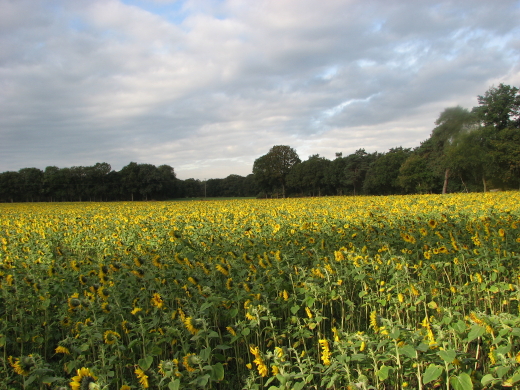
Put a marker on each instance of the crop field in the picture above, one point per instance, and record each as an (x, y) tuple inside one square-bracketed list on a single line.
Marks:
[(415, 292)]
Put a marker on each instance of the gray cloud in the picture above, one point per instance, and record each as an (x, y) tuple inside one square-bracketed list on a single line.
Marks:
[(208, 87)]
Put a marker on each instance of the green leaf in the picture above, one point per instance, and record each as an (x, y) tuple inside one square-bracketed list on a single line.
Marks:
[(461, 382), (205, 354), (487, 379), (383, 372), (246, 331), (222, 347), (476, 331), (30, 380), (448, 355), (408, 350), (295, 309), (217, 372), (282, 379), (175, 384), (202, 381), (145, 363), (298, 386), (49, 379), (433, 372), (205, 306)]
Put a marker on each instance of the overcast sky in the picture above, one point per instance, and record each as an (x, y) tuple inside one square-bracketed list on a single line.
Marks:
[(208, 86)]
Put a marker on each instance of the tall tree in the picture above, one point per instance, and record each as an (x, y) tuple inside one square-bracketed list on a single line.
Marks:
[(32, 183), (450, 124), (381, 177), (10, 186), (272, 168), (499, 107), (356, 167), (335, 174), (415, 176), (129, 175)]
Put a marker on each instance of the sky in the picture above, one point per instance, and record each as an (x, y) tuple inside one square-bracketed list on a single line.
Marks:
[(208, 86)]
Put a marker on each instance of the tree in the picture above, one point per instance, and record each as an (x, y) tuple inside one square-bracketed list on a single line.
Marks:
[(10, 186), (335, 174), (381, 177), (97, 181), (272, 168), (130, 179), (31, 183), (499, 107), (356, 167), (415, 176), (470, 157), (309, 176), (168, 180), (150, 182), (450, 124)]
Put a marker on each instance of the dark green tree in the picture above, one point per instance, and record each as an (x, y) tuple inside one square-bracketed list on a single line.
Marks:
[(31, 183), (452, 122), (381, 177), (271, 169), (499, 107), (415, 176), (129, 176), (10, 186), (356, 167), (334, 176)]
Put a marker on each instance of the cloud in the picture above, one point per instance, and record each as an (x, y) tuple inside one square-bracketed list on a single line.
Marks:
[(209, 86)]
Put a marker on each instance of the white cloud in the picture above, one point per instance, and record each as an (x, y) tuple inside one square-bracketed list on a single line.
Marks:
[(208, 86)]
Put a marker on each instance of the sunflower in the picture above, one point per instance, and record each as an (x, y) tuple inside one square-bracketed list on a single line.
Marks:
[(325, 351), (103, 294), (189, 360), (142, 377), (192, 324), (65, 322), (157, 300), (231, 330), (111, 337), (127, 326), (432, 223), (374, 321), (106, 307), (83, 380), (74, 302), (229, 283), (22, 366), (63, 350)]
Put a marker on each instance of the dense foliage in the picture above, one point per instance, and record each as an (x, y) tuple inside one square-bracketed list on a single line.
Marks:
[(333, 292)]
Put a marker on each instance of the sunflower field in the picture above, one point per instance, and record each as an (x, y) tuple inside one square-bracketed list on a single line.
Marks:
[(393, 292)]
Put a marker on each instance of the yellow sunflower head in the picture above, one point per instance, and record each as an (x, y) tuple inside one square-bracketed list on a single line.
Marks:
[(83, 379), (111, 337)]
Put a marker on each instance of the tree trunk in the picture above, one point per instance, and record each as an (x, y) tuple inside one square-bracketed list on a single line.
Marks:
[(484, 182), (446, 177)]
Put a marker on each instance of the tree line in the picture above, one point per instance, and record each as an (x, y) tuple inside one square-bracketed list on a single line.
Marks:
[(468, 150), (100, 183)]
